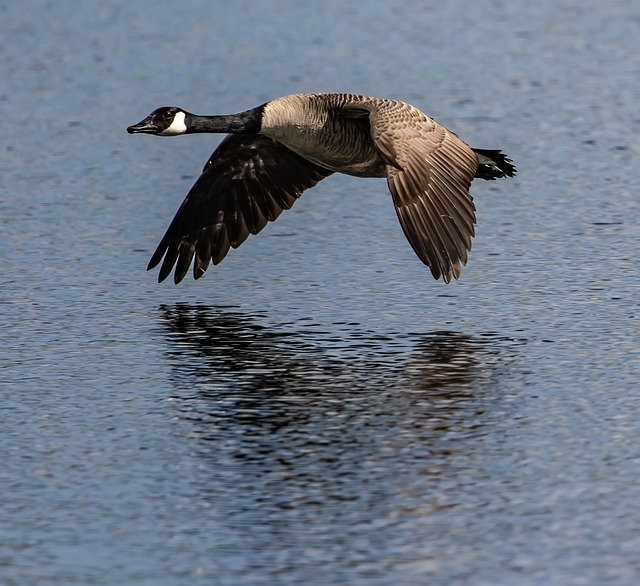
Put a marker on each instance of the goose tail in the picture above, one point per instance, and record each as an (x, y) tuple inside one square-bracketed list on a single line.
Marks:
[(493, 165)]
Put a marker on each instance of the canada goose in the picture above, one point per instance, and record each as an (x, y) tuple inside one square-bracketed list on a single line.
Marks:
[(277, 150)]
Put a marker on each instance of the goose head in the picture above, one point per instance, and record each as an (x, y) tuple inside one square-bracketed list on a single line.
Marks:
[(165, 121)]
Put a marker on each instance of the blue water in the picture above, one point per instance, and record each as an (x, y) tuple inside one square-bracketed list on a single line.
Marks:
[(317, 409)]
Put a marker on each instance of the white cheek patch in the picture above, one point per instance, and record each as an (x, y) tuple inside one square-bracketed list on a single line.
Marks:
[(177, 125)]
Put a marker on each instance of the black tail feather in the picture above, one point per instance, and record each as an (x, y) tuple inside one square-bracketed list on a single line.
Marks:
[(493, 165)]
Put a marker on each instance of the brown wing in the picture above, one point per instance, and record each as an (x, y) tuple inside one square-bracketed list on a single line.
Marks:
[(429, 171), (247, 182)]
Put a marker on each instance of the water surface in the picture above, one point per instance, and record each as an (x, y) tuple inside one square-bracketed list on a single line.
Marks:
[(317, 409)]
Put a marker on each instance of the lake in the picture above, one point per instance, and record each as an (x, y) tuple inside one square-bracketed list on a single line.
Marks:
[(317, 409)]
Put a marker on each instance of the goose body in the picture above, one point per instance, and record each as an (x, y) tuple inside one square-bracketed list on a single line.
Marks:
[(276, 151)]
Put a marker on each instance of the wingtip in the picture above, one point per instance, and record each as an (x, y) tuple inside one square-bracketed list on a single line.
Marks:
[(198, 271), (154, 260), (164, 272), (152, 264), (452, 273)]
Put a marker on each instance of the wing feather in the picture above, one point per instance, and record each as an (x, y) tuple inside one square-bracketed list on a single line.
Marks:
[(429, 179), (246, 183)]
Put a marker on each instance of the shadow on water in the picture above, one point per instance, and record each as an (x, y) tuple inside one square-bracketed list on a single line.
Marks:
[(309, 436)]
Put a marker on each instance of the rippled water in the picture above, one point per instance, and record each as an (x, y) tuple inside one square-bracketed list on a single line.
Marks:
[(317, 409)]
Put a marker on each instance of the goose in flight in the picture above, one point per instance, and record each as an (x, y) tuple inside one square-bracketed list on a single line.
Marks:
[(273, 152)]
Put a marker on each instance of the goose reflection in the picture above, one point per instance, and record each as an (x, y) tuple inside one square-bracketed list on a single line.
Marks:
[(229, 356), (308, 436)]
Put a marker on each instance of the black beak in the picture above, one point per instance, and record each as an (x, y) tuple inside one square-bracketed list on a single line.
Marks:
[(146, 126)]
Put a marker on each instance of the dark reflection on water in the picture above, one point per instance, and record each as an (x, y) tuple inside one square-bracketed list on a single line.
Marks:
[(272, 357), (323, 446)]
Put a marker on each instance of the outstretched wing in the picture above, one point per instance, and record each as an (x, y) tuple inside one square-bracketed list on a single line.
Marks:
[(429, 171), (247, 182)]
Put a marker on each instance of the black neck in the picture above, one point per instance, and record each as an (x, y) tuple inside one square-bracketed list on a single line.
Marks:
[(248, 122)]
